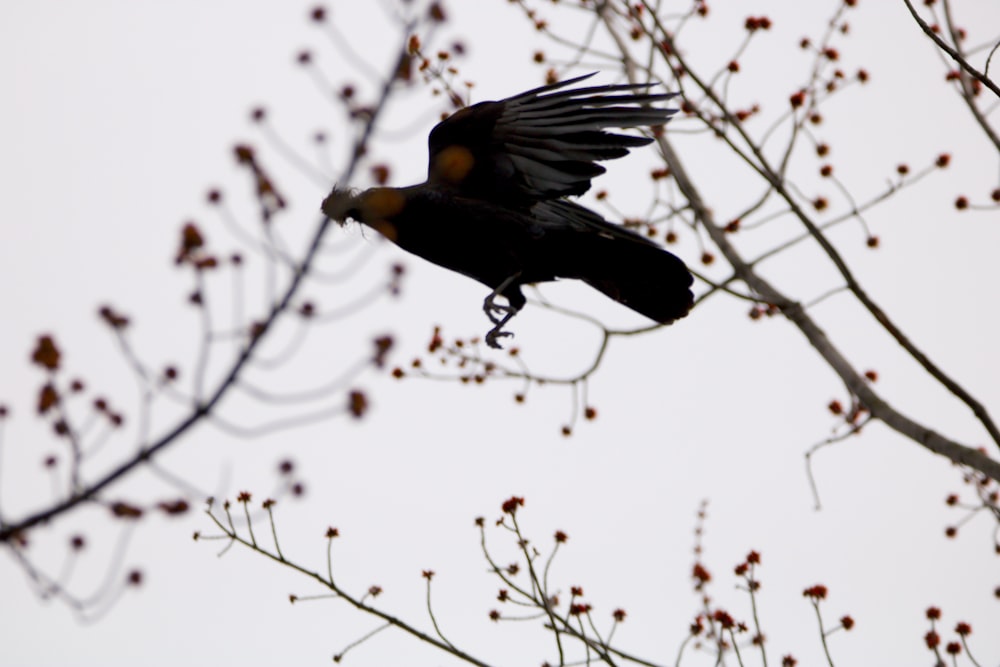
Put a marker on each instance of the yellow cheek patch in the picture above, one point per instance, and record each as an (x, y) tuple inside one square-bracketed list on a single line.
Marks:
[(382, 203), (378, 206), (453, 164)]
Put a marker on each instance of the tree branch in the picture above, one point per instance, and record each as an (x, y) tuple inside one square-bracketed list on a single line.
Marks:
[(146, 453), (955, 55)]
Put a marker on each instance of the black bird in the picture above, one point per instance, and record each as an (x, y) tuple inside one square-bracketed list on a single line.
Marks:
[(494, 205)]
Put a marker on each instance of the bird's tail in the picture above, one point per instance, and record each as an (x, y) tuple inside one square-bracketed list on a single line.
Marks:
[(629, 268), (642, 276)]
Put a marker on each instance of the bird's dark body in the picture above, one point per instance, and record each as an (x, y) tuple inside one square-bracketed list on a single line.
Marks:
[(490, 245), (471, 237), (494, 206)]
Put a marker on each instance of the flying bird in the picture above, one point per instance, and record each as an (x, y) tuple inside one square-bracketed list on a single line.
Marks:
[(494, 206)]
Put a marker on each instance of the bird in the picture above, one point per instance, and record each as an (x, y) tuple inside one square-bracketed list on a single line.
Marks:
[(495, 206)]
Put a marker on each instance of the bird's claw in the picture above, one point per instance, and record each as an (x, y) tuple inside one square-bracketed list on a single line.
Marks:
[(496, 332), (500, 315), (490, 306)]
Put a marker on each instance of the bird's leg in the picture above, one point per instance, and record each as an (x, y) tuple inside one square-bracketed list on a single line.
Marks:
[(490, 306)]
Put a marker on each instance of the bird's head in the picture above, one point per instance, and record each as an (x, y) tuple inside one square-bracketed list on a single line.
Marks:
[(341, 204), (374, 207)]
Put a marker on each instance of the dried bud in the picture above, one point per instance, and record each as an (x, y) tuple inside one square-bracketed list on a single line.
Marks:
[(46, 354)]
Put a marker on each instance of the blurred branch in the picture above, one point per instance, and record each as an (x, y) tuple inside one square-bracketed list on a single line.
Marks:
[(968, 89), (795, 312), (954, 53), (777, 181), (203, 408)]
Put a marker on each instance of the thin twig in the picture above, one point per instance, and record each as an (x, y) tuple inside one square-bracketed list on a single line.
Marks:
[(955, 55), (354, 602)]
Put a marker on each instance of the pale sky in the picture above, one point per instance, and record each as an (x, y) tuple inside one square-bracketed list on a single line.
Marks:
[(120, 116)]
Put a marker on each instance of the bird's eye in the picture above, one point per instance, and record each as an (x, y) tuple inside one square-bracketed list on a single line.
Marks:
[(353, 214)]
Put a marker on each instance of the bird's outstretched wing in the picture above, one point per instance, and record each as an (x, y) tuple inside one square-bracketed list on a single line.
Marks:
[(542, 144)]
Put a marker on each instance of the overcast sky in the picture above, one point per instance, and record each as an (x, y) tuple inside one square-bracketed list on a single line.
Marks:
[(120, 116)]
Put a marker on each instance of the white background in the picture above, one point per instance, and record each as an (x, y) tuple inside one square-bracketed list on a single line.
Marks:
[(118, 117)]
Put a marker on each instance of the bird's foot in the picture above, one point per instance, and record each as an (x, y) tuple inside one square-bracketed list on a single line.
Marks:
[(490, 305), (497, 331), (496, 312), (494, 333), (499, 315)]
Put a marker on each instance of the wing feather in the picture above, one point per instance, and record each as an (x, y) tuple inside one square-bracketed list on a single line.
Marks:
[(543, 143)]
